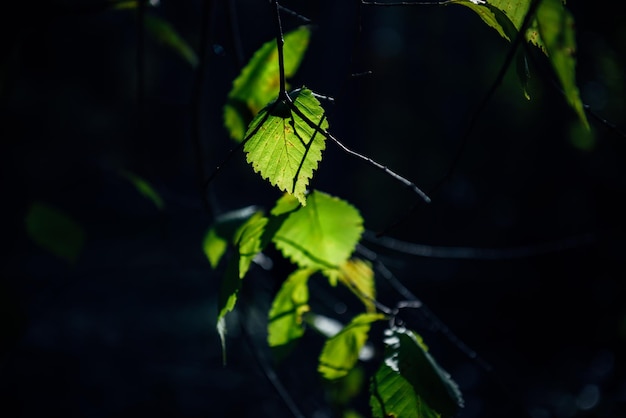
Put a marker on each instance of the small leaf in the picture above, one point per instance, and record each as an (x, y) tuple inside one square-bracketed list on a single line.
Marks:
[(341, 352), (223, 231), (259, 81), (144, 188), (283, 147), (409, 383), (248, 241), (165, 33), (321, 235), (556, 27), (285, 316), (358, 276), (55, 231)]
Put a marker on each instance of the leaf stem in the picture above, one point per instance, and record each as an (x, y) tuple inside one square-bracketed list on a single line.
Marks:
[(280, 43)]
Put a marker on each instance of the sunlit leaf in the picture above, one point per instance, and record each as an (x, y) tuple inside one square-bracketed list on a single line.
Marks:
[(409, 383), (165, 33), (259, 81), (321, 235), (291, 302), (283, 147), (358, 275), (144, 188), (222, 232), (341, 352), (556, 27), (55, 231)]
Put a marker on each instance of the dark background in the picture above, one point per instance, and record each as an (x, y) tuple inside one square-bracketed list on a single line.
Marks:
[(537, 289)]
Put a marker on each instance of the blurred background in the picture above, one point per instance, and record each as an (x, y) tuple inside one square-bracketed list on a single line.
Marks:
[(520, 255)]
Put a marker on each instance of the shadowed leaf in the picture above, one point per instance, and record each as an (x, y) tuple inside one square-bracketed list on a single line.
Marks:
[(259, 81), (409, 383)]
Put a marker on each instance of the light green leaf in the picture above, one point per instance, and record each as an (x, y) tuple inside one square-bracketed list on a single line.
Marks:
[(259, 81), (55, 231), (321, 235), (285, 315), (409, 383), (222, 231), (556, 27), (144, 188), (341, 352), (358, 276), (165, 33), (283, 147)]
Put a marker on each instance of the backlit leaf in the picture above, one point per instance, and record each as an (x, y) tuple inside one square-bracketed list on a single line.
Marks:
[(320, 235), (341, 352), (259, 81), (283, 148), (291, 302), (358, 275), (409, 383), (222, 232), (55, 231), (248, 241)]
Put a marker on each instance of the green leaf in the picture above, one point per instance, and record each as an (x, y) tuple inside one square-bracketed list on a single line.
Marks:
[(556, 27), (144, 188), (165, 33), (358, 276), (55, 231), (341, 352), (259, 81), (283, 147), (321, 235), (248, 244), (248, 241), (222, 231), (285, 315), (409, 383)]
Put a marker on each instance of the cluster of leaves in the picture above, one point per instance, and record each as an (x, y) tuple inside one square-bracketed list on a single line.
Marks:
[(283, 136)]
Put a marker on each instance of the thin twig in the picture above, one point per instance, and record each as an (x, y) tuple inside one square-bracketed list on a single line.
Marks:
[(234, 26), (269, 372), (139, 62), (519, 39), (409, 184), (418, 304), (406, 3), (465, 253), (197, 137)]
